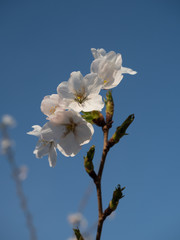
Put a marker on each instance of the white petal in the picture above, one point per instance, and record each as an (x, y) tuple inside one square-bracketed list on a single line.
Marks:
[(36, 132), (94, 53), (101, 52), (116, 80), (60, 117), (61, 150), (52, 157), (69, 145), (111, 56), (92, 83), (98, 53), (75, 82), (51, 103), (95, 65), (64, 92), (77, 107), (52, 132), (118, 61), (128, 70), (94, 102), (41, 149), (83, 133)]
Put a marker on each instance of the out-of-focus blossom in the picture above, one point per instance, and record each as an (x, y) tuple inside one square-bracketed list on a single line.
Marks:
[(52, 103), (8, 120), (5, 144), (23, 172), (82, 93), (44, 147), (68, 130), (109, 68), (77, 220)]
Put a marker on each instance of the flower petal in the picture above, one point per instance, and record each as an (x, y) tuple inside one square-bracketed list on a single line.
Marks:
[(36, 132), (69, 144), (75, 82), (96, 64), (51, 103), (93, 83), (83, 133), (52, 132), (98, 52), (111, 56), (52, 157), (118, 62), (64, 92), (77, 107), (42, 149), (94, 103), (128, 70)]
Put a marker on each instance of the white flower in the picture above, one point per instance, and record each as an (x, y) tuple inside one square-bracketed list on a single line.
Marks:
[(77, 219), (44, 147), (109, 68), (82, 94), (8, 120), (52, 103), (68, 130), (5, 145), (23, 172)]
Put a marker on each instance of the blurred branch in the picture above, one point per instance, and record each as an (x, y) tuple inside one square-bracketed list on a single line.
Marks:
[(7, 149)]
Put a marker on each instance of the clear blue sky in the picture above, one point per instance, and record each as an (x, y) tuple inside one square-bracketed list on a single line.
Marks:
[(41, 43)]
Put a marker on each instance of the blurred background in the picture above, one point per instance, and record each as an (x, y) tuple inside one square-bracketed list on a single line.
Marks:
[(41, 43)]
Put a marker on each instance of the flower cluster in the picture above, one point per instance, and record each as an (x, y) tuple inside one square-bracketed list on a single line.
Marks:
[(66, 130)]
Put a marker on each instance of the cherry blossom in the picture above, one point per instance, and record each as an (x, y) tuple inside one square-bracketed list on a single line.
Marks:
[(44, 147), (68, 130), (8, 120), (109, 68), (52, 103), (77, 219), (82, 93)]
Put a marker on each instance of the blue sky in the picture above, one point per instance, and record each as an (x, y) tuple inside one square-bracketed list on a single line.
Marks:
[(41, 43)]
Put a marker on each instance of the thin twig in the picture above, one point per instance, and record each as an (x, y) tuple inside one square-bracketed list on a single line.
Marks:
[(15, 172), (105, 151), (98, 184)]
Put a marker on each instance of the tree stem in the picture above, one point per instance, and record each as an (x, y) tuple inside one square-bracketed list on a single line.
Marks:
[(98, 182)]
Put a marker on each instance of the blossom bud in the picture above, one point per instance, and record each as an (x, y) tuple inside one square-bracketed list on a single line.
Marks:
[(117, 195), (88, 164), (78, 234), (109, 107), (121, 130), (94, 117)]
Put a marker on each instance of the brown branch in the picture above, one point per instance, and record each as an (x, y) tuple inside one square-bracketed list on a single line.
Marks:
[(105, 151), (105, 129)]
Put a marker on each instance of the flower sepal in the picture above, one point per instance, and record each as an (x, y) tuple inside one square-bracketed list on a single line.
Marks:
[(94, 117)]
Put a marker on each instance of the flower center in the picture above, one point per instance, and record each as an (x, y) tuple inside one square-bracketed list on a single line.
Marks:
[(43, 142), (80, 96), (70, 127), (53, 109)]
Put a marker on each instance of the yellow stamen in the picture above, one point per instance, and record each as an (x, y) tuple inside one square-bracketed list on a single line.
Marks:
[(53, 109)]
